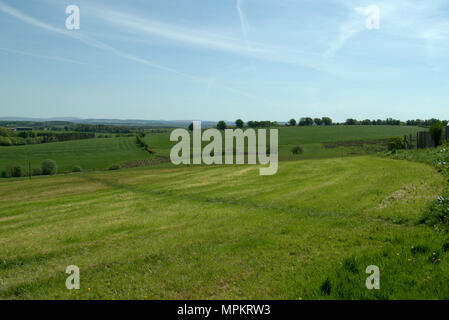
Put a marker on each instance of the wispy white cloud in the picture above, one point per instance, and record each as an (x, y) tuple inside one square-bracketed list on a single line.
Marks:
[(83, 38), (349, 29), (243, 20), (419, 20), (30, 54), (180, 35), (100, 45), (175, 33)]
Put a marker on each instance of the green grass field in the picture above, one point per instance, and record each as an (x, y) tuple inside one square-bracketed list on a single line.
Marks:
[(90, 154), (99, 154), (314, 139), (224, 232)]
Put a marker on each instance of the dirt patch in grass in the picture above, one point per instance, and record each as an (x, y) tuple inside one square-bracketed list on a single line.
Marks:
[(402, 193), (355, 143)]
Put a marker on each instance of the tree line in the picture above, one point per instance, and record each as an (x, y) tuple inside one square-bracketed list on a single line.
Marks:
[(9, 138), (326, 121)]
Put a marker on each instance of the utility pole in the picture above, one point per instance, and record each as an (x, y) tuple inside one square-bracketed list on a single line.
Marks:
[(29, 169)]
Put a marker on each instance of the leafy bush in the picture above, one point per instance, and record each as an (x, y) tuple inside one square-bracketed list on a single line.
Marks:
[(395, 143), (36, 172), (114, 167), (4, 132), (5, 141), (76, 169), (16, 171), (436, 132), (12, 170), (49, 167), (298, 149)]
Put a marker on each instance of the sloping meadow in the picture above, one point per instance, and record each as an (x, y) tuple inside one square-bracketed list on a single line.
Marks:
[(224, 232)]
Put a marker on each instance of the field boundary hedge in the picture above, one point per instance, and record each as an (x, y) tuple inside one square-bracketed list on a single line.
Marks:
[(144, 145)]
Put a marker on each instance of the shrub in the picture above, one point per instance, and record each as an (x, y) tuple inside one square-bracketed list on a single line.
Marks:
[(114, 167), (36, 172), (5, 141), (395, 143), (436, 132), (76, 169), (49, 167), (16, 171), (4, 132), (298, 149), (13, 170)]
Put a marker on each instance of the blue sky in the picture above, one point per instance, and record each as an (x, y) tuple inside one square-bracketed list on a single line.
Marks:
[(224, 59)]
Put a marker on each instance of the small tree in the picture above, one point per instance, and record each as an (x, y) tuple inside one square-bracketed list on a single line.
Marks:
[(326, 121), (292, 122), (366, 122), (436, 132), (306, 121), (49, 167), (239, 123), (191, 126), (350, 122), (221, 125), (395, 143)]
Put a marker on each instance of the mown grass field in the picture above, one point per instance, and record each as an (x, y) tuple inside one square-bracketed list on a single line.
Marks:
[(225, 232)]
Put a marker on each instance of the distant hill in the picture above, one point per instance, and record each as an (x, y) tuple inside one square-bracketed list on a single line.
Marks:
[(131, 122)]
